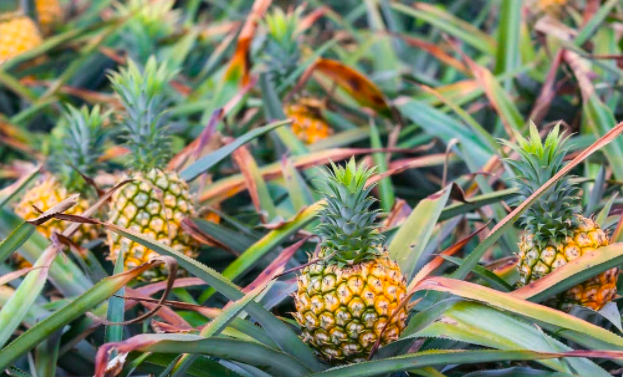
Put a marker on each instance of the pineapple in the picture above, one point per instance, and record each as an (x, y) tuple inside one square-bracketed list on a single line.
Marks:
[(552, 8), (157, 200), (76, 145), (49, 13), (18, 34), (555, 231), (345, 299), (308, 124)]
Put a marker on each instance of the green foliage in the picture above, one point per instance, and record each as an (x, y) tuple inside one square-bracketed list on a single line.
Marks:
[(422, 90)]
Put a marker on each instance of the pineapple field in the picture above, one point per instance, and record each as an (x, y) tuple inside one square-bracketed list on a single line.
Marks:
[(256, 188)]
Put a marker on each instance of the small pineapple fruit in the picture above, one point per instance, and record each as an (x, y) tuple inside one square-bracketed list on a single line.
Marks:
[(307, 122), (18, 34), (77, 142), (555, 231), (349, 298), (157, 200), (49, 13)]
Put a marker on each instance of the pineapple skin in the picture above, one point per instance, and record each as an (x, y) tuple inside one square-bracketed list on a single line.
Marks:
[(49, 13), (307, 126), (45, 195), (153, 204), (342, 310), (17, 35), (534, 263)]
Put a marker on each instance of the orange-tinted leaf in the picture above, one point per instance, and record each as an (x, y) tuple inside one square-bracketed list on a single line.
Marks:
[(435, 50), (230, 186), (276, 267), (240, 64), (355, 83)]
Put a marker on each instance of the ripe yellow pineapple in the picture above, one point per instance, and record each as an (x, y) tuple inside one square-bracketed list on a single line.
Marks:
[(555, 232), (49, 13), (44, 196), (18, 34), (553, 8), (350, 297), (308, 125), (77, 142), (157, 200)]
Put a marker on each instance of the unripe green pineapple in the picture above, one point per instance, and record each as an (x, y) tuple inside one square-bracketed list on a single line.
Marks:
[(350, 298), (76, 144), (555, 232), (157, 199)]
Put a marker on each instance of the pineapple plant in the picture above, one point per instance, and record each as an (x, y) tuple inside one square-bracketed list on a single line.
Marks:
[(49, 13), (282, 46), (156, 200), (555, 232), (18, 34), (307, 122), (76, 145), (283, 55), (349, 297)]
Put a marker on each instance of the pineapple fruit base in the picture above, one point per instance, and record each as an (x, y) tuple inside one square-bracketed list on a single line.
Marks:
[(153, 204), (344, 310), (44, 196), (534, 263)]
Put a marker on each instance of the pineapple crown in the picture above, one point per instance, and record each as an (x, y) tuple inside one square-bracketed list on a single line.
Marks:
[(150, 21), (77, 143), (141, 92), (282, 48), (552, 217), (347, 222)]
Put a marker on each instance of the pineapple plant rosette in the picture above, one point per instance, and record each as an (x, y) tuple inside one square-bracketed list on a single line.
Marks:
[(555, 232), (156, 200), (349, 297), (283, 55), (76, 146)]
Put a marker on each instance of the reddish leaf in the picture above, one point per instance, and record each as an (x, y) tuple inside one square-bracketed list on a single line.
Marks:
[(355, 83)]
